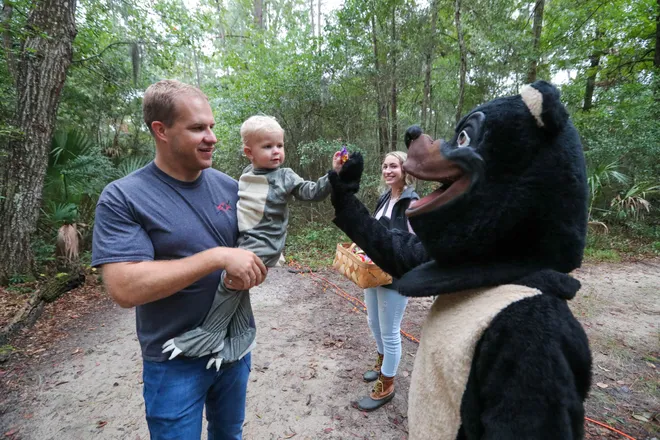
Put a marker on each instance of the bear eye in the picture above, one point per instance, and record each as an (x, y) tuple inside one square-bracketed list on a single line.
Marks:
[(463, 139)]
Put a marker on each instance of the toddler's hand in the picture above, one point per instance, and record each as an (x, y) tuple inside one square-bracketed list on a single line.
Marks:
[(336, 161), (339, 159)]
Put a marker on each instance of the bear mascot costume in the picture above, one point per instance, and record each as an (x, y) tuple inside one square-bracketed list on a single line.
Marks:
[(501, 356)]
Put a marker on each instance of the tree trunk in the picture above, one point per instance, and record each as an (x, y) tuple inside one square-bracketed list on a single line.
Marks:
[(656, 59), (395, 129), (62, 284), (221, 24), (426, 99), (383, 138), (45, 59), (536, 42), (594, 61), (34, 305), (7, 12), (259, 13), (318, 17), (197, 74), (463, 67), (311, 16)]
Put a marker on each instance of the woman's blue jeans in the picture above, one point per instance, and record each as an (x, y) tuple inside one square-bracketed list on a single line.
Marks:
[(176, 391), (385, 309)]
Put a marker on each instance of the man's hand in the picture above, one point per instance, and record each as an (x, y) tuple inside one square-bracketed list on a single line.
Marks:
[(244, 269), (234, 283)]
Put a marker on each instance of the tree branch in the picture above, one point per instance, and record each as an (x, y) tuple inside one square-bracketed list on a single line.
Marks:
[(82, 60)]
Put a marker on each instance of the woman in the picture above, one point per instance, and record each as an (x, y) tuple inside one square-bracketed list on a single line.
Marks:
[(385, 306)]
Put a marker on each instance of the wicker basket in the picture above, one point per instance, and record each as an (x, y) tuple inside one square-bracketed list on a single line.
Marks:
[(363, 274)]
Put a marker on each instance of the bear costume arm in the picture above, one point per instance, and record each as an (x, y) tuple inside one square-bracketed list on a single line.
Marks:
[(394, 251)]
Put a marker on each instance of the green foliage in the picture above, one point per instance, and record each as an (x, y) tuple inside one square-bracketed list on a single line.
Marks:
[(59, 214), (633, 203), (601, 176), (313, 245), (131, 164), (324, 87), (601, 255), (44, 251)]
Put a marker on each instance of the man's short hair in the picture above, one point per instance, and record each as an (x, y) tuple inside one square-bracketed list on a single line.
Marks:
[(259, 124), (159, 101)]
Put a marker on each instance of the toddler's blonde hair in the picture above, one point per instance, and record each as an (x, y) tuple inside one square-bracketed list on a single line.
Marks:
[(259, 124)]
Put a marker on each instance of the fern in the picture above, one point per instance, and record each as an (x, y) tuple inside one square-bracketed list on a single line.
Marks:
[(131, 164)]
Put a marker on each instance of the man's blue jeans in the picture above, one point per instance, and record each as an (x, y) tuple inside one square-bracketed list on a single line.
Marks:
[(176, 391)]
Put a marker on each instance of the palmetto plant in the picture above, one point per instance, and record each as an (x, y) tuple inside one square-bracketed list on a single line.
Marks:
[(77, 173), (601, 175), (634, 201), (131, 164), (75, 177), (64, 217)]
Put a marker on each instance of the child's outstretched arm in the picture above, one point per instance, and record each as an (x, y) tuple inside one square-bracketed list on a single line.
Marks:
[(312, 191), (307, 190)]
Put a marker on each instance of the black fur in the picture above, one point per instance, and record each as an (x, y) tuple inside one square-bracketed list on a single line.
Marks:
[(527, 208), (523, 221), (530, 374)]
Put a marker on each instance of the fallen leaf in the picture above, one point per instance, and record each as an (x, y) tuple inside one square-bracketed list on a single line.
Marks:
[(101, 423), (328, 430), (11, 432), (640, 417), (602, 385)]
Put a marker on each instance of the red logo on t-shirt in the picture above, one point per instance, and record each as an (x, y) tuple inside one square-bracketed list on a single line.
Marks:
[(224, 206)]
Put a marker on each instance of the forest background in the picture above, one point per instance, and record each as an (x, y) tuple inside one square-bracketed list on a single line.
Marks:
[(356, 73)]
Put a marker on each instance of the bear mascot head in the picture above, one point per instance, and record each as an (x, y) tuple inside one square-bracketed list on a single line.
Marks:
[(501, 355)]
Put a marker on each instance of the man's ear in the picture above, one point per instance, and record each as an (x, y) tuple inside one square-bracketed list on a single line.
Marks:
[(159, 130), (248, 152)]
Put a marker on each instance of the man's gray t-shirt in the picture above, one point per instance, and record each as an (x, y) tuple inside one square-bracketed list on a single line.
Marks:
[(149, 215)]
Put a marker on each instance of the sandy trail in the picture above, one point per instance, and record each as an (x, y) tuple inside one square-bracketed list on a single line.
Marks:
[(313, 347)]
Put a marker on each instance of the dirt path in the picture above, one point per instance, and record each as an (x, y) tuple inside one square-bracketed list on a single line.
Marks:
[(312, 348)]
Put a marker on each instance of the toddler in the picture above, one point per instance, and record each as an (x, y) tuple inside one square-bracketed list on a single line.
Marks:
[(264, 189)]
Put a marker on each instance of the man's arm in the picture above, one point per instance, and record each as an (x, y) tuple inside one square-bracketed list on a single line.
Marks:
[(132, 284), (125, 252)]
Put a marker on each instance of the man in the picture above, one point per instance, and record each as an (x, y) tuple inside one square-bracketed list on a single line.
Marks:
[(163, 235)]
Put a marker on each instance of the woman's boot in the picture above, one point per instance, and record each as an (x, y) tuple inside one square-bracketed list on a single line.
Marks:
[(382, 393), (371, 375)]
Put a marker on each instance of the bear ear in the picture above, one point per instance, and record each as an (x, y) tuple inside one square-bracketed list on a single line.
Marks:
[(542, 100)]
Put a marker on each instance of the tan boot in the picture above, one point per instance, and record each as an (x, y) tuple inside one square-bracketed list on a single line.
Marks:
[(382, 393), (371, 375)]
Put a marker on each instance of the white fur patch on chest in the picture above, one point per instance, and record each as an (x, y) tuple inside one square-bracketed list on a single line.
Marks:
[(450, 334), (252, 194)]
